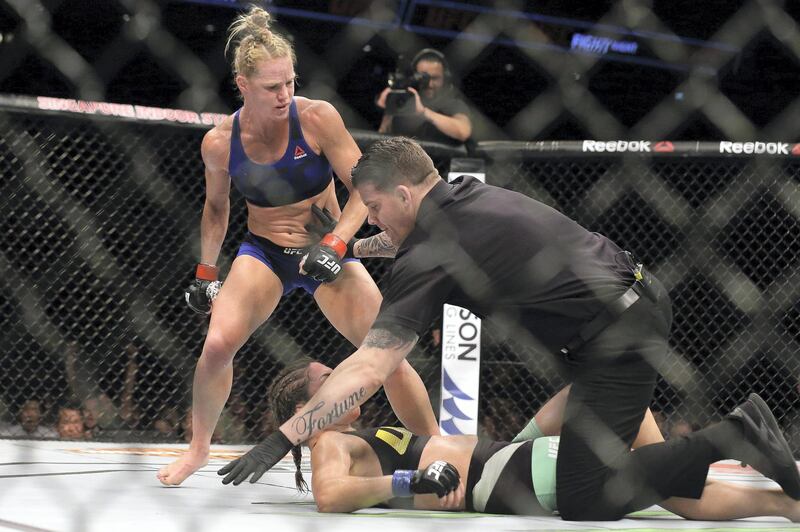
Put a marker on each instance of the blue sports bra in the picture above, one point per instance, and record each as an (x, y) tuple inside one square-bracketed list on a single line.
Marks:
[(300, 174)]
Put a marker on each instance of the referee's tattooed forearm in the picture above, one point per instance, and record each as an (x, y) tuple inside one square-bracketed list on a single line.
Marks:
[(390, 337), (379, 245)]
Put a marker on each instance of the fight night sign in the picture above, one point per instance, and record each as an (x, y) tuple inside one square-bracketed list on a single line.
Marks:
[(461, 361)]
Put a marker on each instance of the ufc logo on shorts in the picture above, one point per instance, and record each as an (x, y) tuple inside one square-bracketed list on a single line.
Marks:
[(329, 264)]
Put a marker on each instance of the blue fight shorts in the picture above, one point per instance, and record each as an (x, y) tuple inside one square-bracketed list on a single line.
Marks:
[(284, 262)]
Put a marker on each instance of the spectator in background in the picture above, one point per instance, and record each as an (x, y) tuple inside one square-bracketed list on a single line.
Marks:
[(100, 415), (90, 415), (129, 412), (98, 411), (424, 104), (80, 380), (30, 422), (151, 387), (70, 423)]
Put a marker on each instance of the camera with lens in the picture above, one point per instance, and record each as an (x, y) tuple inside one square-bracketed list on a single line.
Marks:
[(400, 101)]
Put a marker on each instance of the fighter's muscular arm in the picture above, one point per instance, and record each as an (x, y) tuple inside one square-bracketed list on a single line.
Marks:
[(352, 382), (327, 126), (410, 400), (335, 489), (216, 209)]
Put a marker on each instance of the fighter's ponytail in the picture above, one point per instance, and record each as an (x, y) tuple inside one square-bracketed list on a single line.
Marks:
[(289, 389)]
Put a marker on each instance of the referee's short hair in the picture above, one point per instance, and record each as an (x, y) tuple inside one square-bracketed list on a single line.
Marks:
[(391, 162)]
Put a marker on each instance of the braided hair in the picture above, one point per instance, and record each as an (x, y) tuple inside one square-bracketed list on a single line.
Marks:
[(253, 41), (289, 389)]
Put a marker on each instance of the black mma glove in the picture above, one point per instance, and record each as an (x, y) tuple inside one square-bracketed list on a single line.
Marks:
[(440, 478), (257, 460), (204, 289), (324, 260), (326, 224)]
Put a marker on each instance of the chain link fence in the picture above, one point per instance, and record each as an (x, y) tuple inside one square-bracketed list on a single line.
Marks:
[(101, 234), (100, 224)]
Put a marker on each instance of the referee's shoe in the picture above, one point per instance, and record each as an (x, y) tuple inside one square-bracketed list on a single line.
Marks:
[(767, 452)]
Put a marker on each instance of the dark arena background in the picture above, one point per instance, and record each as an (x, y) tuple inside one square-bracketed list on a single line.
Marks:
[(670, 126)]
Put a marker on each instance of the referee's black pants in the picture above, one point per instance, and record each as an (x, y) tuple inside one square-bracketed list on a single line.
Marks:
[(613, 378)]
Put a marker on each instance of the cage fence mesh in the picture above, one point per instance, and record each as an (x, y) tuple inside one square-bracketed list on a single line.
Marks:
[(100, 224)]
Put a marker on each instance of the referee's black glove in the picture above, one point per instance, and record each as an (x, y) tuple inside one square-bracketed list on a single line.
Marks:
[(257, 460)]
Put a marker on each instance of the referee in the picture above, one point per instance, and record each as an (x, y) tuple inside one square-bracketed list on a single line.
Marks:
[(562, 290)]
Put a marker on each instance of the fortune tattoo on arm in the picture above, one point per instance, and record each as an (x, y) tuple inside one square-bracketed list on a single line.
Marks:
[(379, 245), (318, 417)]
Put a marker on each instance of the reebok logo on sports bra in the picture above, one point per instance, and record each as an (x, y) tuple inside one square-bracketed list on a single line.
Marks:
[(298, 175)]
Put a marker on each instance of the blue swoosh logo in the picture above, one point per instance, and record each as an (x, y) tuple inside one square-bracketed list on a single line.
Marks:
[(449, 426), (451, 408), (451, 387)]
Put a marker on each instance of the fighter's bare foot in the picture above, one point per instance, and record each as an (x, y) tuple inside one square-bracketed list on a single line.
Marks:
[(176, 472)]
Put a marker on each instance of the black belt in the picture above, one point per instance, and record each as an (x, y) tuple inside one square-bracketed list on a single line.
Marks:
[(612, 311)]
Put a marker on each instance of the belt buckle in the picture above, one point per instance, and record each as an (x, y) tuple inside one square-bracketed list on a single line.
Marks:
[(638, 272), (643, 279)]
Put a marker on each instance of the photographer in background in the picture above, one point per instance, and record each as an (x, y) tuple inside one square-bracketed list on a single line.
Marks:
[(423, 104)]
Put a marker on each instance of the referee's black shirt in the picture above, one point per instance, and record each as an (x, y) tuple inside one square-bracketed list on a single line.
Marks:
[(503, 256)]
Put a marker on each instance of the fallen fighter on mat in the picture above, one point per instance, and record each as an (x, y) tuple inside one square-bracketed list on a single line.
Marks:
[(387, 466)]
